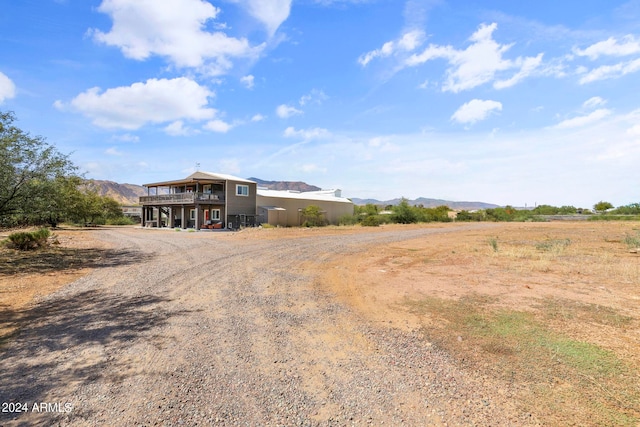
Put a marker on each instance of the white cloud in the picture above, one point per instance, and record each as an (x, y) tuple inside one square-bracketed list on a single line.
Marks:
[(231, 166), (475, 110), (584, 120), (634, 131), (611, 71), (271, 13), (610, 47), (479, 63), (127, 137), (527, 67), (307, 134), (407, 43), (155, 101), (113, 151), (247, 81), (596, 101), (382, 144), (174, 29), (7, 88), (218, 126), (177, 129), (316, 96), (310, 167), (285, 111), (258, 118)]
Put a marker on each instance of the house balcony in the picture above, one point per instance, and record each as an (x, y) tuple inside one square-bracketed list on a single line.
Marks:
[(183, 199)]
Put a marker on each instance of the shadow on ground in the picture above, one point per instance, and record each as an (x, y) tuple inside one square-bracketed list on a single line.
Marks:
[(71, 341), (52, 259)]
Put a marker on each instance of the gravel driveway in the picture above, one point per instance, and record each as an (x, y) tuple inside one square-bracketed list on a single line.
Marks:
[(204, 329)]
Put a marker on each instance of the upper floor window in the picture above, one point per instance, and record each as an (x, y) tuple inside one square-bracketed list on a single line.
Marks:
[(242, 190)]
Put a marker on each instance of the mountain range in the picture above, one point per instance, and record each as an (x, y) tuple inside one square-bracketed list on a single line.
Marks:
[(128, 194), (427, 203)]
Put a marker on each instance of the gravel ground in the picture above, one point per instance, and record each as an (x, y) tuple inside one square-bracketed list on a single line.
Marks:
[(200, 329)]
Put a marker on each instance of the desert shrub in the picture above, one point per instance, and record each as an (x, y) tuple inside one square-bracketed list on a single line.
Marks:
[(493, 242), (348, 220), (608, 217), (26, 240), (403, 213), (313, 216), (123, 220), (632, 209), (632, 241), (371, 221), (469, 216)]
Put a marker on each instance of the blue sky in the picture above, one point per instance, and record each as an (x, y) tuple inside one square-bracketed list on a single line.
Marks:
[(506, 102)]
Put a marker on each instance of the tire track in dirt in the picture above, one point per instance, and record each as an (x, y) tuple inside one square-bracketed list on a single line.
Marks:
[(214, 330)]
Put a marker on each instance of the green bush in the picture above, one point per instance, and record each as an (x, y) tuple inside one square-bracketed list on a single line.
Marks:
[(348, 220), (371, 221), (26, 240), (313, 216), (403, 213), (123, 220)]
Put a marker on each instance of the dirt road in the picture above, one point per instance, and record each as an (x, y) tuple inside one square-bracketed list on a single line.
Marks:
[(178, 328)]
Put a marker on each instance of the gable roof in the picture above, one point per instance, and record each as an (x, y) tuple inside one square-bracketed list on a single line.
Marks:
[(199, 176), (220, 176)]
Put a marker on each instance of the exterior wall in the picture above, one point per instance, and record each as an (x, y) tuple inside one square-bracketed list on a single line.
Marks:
[(334, 210), (241, 205)]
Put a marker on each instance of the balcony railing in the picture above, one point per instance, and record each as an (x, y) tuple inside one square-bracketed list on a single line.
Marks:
[(182, 198)]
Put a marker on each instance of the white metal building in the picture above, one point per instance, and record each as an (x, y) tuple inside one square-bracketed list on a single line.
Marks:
[(284, 208)]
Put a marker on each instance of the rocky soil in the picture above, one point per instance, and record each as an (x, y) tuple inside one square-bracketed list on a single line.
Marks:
[(175, 328)]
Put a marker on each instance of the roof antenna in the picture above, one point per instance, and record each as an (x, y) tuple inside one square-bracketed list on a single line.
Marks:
[(197, 166)]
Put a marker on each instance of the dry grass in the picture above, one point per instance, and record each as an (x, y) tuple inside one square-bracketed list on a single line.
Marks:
[(548, 310), (28, 275)]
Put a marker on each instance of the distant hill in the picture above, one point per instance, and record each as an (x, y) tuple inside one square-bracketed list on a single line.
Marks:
[(285, 185), (126, 194), (429, 203)]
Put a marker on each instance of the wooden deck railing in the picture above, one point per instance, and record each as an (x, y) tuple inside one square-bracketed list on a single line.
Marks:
[(182, 198)]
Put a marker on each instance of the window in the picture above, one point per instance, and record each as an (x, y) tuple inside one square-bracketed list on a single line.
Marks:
[(206, 189), (242, 190), (192, 214), (215, 214)]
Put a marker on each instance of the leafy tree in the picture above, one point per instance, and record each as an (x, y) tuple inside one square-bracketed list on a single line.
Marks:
[(403, 213), (630, 209), (545, 210), (28, 166), (602, 206)]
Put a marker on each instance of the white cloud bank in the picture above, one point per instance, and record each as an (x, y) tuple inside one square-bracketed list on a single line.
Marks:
[(611, 47), (270, 13), (481, 62), (155, 101), (285, 111), (174, 29), (7, 88), (584, 120), (307, 134), (475, 111), (408, 42)]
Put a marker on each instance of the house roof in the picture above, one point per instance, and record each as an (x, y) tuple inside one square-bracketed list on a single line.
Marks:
[(199, 176), (322, 195)]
